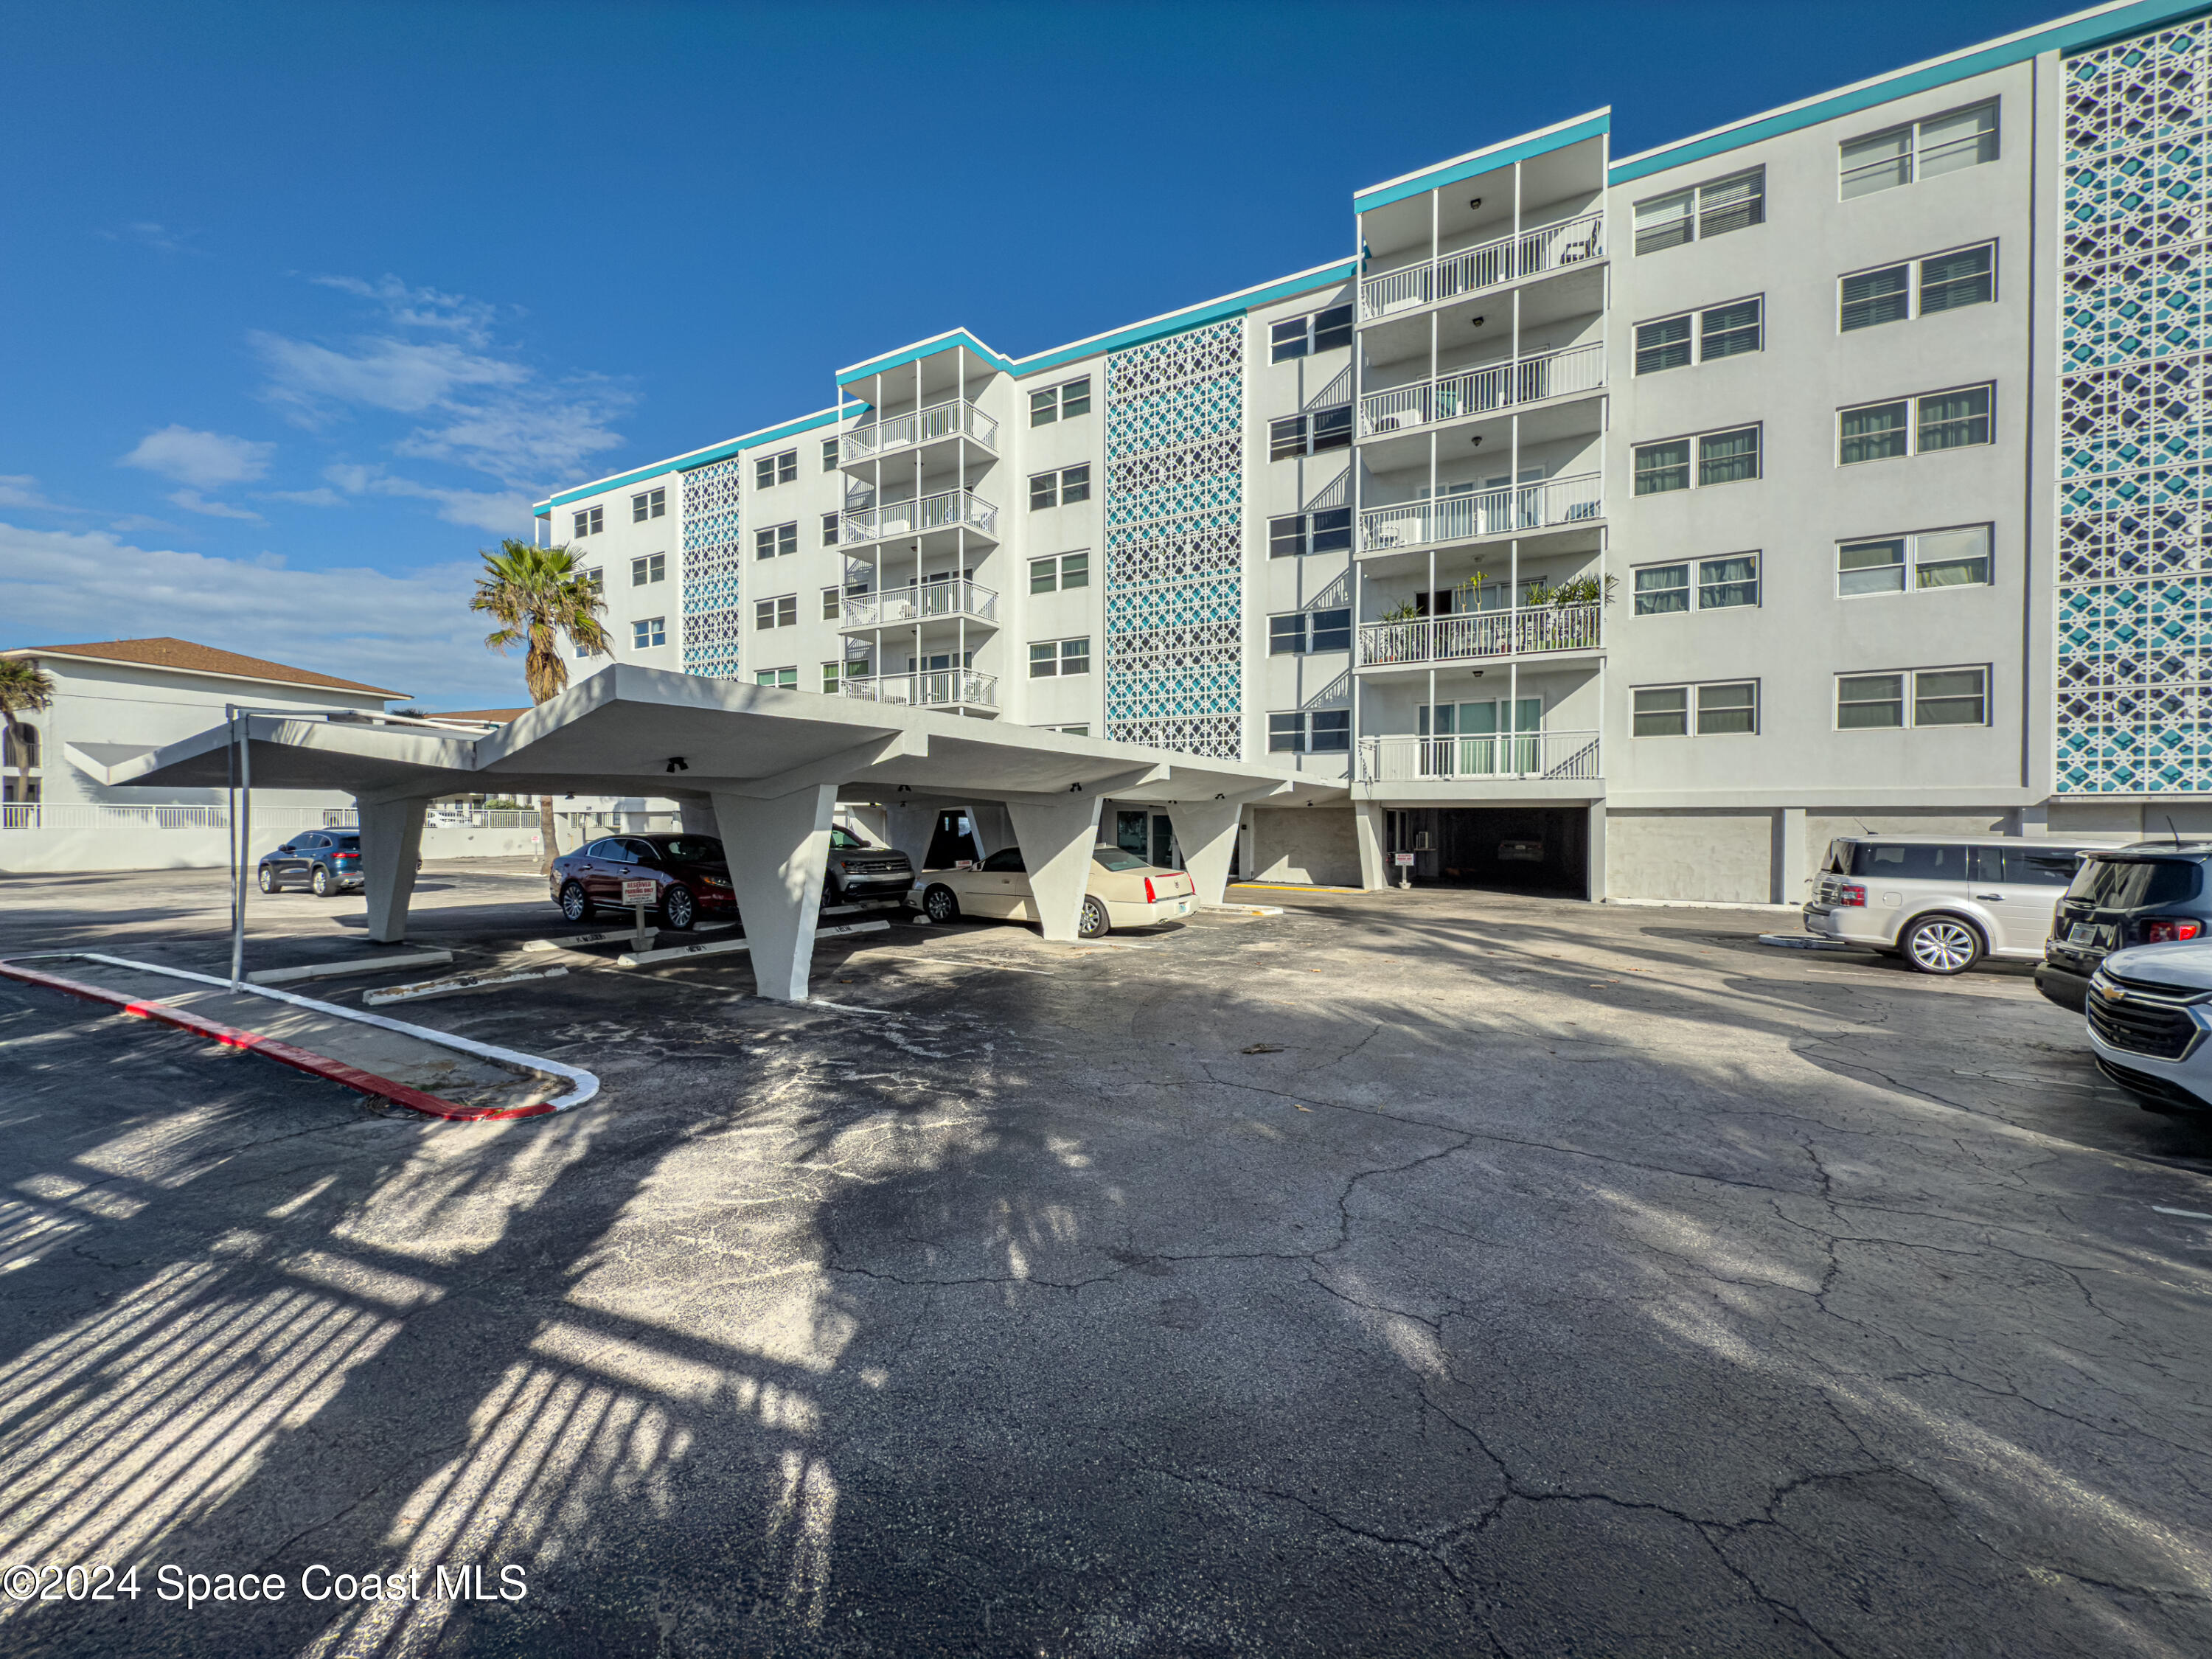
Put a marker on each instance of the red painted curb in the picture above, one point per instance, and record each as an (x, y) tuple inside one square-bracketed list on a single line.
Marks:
[(284, 1054)]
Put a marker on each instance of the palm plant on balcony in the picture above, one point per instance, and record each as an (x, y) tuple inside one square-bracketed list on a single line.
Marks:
[(540, 596), (1576, 590), (24, 689)]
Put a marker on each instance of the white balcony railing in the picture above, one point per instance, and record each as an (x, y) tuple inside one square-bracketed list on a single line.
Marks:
[(945, 510), (953, 598), (1510, 508), (1569, 757), (1531, 253), (1504, 633), (1482, 391), (89, 815), (953, 417), (927, 688)]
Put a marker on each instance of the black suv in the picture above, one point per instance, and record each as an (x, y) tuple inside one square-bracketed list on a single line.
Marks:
[(2152, 893)]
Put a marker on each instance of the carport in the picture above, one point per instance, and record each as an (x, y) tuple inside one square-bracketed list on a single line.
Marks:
[(763, 769)]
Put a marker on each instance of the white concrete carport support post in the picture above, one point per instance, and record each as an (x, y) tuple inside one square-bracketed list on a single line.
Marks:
[(1207, 832), (778, 850), (1370, 826), (1056, 837), (390, 842)]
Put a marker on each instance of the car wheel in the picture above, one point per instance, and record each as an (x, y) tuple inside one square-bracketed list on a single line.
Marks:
[(268, 880), (1093, 922), (575, 905), (939, 903), (1941, 945), (320, 881), (678, 908), (830, 895)]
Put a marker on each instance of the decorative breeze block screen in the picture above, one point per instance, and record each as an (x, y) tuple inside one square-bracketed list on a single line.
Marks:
[(713, 559)]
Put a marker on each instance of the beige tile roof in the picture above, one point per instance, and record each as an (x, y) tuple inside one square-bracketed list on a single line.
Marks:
[(183, 654), (502, 715)]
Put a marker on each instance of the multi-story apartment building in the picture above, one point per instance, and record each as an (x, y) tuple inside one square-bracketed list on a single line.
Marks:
[(1630, 524)]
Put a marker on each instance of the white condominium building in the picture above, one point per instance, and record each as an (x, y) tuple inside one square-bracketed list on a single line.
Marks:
[(1622, 524)]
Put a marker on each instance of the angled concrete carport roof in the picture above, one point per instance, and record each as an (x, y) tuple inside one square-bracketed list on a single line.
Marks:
[(772, 763)]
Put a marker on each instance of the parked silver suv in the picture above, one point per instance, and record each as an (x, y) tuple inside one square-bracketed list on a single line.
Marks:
[(1942, 902)]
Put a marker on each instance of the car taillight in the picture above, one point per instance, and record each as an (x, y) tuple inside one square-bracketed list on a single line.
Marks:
[(1151, 898), (1850, 895), (2170, 931)]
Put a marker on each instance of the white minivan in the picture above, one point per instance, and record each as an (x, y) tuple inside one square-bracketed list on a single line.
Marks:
[(1942, 902)]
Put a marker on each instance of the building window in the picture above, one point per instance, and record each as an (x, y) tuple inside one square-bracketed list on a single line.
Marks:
[(1078, 731), (653, 568), (1327, 531), (783, 679), (779, 612), (1721, 584), (652, 504), (828, 530), (1302, 337), (596, 579), (1717, 708), (1663, 590), (1727, 457), (1919, 149), (1309, 434), (1725, 583), (1965, 276), (648, 631), (1712, 209), (770, 470), (1913, 426), (829, 454), (1939, 696), (1063, 570), (1723, 330), (1063, 402), (1065, 487), (1310, 731), (20, 746), (1932, 558), (773, 541), (1051, 658), (591, 521), (1300, 632), (834, 674)]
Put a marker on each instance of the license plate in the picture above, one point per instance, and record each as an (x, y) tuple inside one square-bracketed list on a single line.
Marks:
[(1182, 908), (2082, 932)]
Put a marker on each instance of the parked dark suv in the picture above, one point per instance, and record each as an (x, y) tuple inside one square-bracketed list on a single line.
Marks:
[(2153, 893), (327, 861)]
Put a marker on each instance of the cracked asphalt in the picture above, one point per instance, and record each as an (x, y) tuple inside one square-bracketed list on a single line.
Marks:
[(1450, 1274)]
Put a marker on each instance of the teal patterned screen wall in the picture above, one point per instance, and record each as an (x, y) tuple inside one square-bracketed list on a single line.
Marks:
[(2135, 464), (1175, 559), (712, 561)]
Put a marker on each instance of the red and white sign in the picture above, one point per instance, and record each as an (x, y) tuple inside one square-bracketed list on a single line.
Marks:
[(1402, 858), (639, 890)]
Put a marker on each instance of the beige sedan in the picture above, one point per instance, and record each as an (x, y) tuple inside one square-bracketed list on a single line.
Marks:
[(1124, 891)]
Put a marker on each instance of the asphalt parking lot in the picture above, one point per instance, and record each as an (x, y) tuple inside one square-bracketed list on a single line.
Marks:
[(1444, 1273)]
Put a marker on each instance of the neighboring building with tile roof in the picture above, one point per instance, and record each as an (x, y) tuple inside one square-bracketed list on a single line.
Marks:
[(186, 656)]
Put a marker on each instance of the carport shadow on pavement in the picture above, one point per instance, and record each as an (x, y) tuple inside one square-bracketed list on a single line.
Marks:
[(983, 1326)]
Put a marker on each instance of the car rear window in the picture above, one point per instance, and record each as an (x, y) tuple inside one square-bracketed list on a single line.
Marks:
[(1907, 860), (1113, 857), (2135, 883), (346, 843)]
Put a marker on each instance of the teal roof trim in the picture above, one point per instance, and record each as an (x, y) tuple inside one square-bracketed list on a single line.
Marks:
[(1450, 172), (958, 337), (1159, 328), (2069, 35), (697, 458)]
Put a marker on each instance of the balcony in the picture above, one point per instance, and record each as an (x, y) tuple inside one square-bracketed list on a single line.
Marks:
[(1511, 509), (952, 418), (948, 509), (930, 688), (951, 599), (1483, 391), (1530, 630), (1526, 756), (1531, 253)]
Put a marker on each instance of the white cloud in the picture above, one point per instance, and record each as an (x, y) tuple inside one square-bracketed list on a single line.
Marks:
[(412, 631), (21, 489), (320, 495), (158, 237), (203, 460), (479, 405), (192, 502), (504, 512)]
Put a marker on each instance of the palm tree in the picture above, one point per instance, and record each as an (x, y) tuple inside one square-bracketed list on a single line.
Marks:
[(24, 689), (538, 595)]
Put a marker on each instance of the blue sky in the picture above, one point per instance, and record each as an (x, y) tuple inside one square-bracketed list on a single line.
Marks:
[(304, 304)]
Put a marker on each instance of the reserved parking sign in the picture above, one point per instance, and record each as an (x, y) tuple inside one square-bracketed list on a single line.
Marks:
[(638, 890)]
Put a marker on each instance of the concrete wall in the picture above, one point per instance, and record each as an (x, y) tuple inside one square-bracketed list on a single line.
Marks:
[(1305, 844), (1719, 857), (71, 852)]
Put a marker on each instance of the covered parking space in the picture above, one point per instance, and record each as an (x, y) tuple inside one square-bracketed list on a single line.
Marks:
[(763, 769)]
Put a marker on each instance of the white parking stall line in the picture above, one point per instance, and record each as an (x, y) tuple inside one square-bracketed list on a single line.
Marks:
[(718, 947), (568, 940), (2192, 1215), (453, 986), (354, 965)]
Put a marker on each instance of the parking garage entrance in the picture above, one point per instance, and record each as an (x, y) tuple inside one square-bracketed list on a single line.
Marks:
[(1529, 849)]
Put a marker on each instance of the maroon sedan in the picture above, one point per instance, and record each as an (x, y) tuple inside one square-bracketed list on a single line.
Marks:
[(689, 874)]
